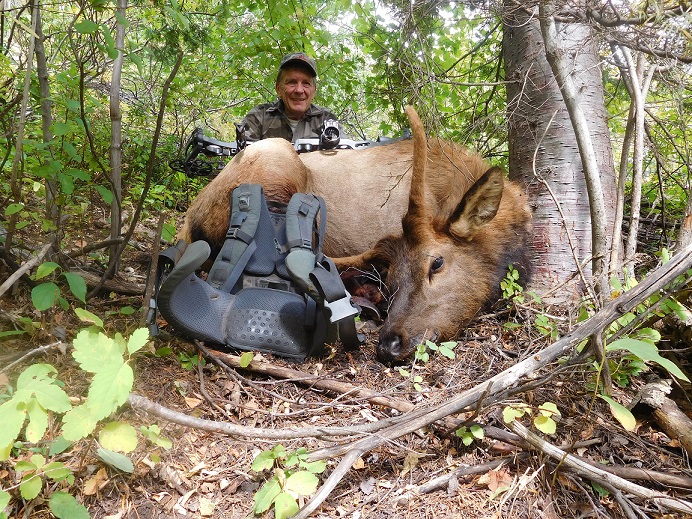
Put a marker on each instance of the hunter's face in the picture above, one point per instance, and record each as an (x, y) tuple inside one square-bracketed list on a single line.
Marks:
[(296, 88)]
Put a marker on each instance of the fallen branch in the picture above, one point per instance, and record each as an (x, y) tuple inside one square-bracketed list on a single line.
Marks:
[(83, 251), (673, 421), (111, 285), (141, 403), (600, 476), (26, 267), (32, 353), (463, 470), (317, 381), (421, 417)]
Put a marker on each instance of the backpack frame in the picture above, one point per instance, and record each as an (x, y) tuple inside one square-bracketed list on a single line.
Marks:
[(270, 289)]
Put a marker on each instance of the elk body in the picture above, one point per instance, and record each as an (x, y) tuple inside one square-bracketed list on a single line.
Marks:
[(436, 221)]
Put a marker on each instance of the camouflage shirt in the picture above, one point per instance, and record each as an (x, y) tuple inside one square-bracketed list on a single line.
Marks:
[(269, 120)]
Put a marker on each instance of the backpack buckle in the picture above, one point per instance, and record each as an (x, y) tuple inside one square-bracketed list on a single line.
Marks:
[(340, 309)]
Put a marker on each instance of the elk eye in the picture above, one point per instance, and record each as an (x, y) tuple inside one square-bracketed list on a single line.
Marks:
[(437, 264)]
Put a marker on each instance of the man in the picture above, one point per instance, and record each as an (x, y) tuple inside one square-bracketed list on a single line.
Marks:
[(292, 116)]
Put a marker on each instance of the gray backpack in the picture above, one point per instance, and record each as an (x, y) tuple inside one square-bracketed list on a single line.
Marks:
[(270, 289)]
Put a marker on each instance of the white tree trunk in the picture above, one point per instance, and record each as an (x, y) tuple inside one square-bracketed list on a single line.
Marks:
[(543, 149), (116, 136)]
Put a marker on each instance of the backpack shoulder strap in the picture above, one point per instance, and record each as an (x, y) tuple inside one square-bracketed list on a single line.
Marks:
[(246, 206), (302, 230), (311, 270)]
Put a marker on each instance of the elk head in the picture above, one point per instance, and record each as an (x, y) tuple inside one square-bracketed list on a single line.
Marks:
[(443, 268)]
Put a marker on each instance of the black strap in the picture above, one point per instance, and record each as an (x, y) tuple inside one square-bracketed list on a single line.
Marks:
[(237, 249), (337, 302)]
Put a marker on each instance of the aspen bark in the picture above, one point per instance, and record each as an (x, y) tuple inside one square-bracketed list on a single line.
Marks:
[(540, 125), (116, 137)]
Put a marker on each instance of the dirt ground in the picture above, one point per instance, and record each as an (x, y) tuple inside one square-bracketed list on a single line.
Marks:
[(207, 474)]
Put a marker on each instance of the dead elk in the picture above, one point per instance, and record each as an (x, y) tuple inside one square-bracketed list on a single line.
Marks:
[(437, 223)]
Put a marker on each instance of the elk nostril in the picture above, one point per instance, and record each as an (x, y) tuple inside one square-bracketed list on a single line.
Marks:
[(389, 348)]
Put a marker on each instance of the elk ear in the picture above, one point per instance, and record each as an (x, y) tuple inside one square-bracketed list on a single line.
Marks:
[(479, 205)]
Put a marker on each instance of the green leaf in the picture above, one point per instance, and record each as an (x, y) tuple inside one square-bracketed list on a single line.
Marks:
[(121, 19), (6, 450), (78, 423), (153, 434), (59, 445), (263, 461), (35, 381), (548, 409), (137, 61), (77, 285), (45, 269), (105, 193), (86, 27), (4, 500), (10, 333), (447, 352), (137, 340), (601, 491), (265, 496), (12, 419), (56, 471), (679, 309), (78, 173), (95, 350), (647, 352), (316, 467), (648, 335), (303, 483), (510, 413), (116, 460), (13, 209), (60, 129), (43, 296), (65, 506), (87, 317), (38, 421), (34, 373), (30, 486), (621, 413), (127, 310), (246, 359), (23, 466), (164, 351), (109, 41), (118, 436), (109, 389), (285, 505), (477, 431), (545, 424)]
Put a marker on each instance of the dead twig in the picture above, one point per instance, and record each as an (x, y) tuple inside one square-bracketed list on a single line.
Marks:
[(317, 381), (31, 353), (463, 470), (598, 475), (26, 267)]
